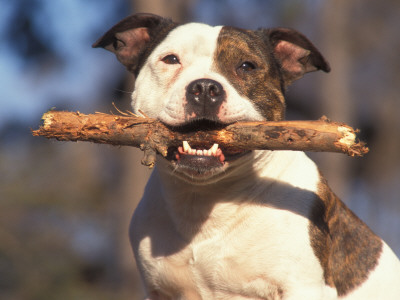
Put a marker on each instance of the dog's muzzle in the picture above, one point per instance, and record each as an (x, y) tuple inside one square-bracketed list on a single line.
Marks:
[(204, 98)]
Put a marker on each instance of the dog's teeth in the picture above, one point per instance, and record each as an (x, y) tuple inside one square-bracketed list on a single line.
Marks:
[(186, 146), (214, 149), (187, 149)]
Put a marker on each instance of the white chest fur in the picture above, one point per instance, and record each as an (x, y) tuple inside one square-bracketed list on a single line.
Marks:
[(219, 248)]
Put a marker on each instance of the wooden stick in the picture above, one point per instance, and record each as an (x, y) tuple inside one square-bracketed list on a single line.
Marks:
[(153, 136)]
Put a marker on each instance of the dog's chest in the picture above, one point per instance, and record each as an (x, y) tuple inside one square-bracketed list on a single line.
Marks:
[(213, 268), (236, 262)]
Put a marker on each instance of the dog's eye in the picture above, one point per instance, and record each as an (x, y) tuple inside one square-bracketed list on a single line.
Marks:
[(246, 66), (171, 59)]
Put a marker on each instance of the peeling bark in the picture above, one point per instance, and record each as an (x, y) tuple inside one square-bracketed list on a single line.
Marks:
[(152, 136)]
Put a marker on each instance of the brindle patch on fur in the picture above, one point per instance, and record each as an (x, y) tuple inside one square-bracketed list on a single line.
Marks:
[(263, 85), (347, 249)]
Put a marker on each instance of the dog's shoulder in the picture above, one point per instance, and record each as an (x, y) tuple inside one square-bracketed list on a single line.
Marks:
[(354, 259)]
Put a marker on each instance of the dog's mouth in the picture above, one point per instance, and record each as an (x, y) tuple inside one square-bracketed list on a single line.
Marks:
[(201, 158)]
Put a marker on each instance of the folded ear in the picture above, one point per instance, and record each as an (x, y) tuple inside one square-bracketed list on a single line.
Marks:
[(130, 38), (295, 53)]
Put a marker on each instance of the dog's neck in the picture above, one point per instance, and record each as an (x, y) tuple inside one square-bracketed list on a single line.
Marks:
[(195, 205)]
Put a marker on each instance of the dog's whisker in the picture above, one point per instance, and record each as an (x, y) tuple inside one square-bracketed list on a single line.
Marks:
[(122, 91)]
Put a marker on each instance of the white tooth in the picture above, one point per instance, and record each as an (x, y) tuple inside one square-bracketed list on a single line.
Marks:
[(214, 149), (186, 146), (199, 152)]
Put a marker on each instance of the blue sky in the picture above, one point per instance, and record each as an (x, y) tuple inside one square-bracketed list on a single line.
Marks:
[(71, 26)]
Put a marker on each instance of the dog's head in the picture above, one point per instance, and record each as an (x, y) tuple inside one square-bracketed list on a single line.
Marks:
[(199, 77)]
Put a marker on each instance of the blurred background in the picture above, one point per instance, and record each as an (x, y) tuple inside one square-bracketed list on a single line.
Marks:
[(65, 207)]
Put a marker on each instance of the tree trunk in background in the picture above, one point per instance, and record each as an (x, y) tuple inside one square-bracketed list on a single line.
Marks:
[(135, 175), (366, 36), (380, 35), (336, 100)]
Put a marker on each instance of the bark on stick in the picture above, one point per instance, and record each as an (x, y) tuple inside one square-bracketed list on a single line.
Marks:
[(153, 136)]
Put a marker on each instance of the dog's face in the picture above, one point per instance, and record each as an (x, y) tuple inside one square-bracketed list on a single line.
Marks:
[(197, 77)]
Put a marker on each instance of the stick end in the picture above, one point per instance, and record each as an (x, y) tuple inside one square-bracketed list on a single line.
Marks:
[(358, 149), (349, 136)]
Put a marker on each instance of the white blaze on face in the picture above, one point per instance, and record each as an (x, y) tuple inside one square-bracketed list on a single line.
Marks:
[(160, 88)]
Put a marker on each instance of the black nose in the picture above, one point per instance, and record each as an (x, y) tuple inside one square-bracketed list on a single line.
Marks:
[(205, 93)]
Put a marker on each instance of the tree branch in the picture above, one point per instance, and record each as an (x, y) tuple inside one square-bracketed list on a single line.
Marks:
[(153, 136)]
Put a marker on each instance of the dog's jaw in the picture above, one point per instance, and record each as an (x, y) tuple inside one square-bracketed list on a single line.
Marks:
[(236, 165), (200, 167)]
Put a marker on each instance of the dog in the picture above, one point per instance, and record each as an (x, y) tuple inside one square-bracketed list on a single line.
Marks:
[(226, 224)]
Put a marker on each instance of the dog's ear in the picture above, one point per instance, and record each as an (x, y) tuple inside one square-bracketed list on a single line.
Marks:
[(130, 38), (295, 53)]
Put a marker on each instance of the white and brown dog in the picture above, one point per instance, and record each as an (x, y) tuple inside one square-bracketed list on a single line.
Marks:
[(215, 224)]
